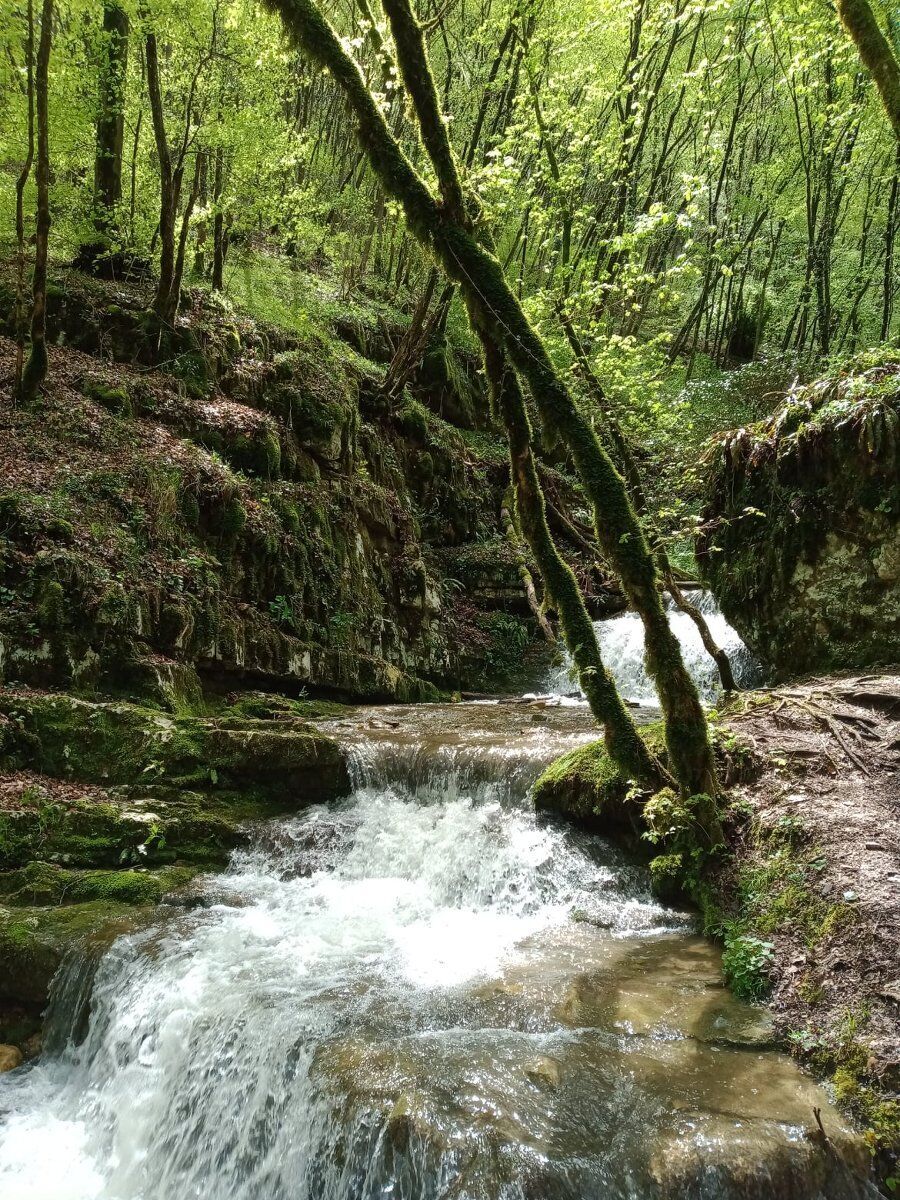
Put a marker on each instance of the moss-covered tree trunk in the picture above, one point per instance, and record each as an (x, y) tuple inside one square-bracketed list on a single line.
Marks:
[(515, 543), (36, 368), (876, 52), (625, 745), (635, 485), (444, 229)]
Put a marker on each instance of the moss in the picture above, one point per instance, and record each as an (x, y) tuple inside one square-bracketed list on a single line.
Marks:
[(120, 743), (114, 397), (232, 518), (667, 875), (258, 453), (41, 883), (193, 370), (265, 706), (33, 942), (51, 604), (585, 785)]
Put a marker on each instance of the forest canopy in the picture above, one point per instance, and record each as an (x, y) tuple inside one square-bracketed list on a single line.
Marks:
[(694, 181)]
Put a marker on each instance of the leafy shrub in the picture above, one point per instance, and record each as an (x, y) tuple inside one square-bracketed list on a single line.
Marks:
[(747, 962)]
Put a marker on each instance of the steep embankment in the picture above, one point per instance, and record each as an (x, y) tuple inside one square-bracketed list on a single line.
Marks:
[(188, 511), (232, 500), (800, 539), (806, 897)]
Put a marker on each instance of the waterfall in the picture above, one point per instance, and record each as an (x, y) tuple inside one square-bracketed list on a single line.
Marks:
[(621, 641), (422, 992)]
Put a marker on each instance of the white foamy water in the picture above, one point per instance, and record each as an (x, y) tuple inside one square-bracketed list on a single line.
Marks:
[(193, 1080), (420, 993), (621, 641)]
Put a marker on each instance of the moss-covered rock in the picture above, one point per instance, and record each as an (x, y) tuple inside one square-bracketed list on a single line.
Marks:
[(43, 883), (33, 942), (587, 787), (801, 531), (116, 743)]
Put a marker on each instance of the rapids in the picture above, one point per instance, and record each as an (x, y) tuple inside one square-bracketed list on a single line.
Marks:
[(621, 641), (421, 992)]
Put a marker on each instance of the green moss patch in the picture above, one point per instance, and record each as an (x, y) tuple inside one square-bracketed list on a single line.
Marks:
[(33, 942), (586, 786)]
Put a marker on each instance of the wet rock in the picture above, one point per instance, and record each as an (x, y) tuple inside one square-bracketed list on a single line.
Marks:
[(33, 1046), (10, 1057), (702, 1154), (543, 1072), (34, 941)]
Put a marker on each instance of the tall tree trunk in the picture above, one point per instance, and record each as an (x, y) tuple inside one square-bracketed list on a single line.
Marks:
[(890, 233), (36, 368), (21, 182), (219, 235), (876, 53), (178, 271), (202, 225), (110, 127), (168, 192)]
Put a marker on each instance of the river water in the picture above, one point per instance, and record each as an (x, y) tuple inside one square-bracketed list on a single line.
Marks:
[(421, 992)]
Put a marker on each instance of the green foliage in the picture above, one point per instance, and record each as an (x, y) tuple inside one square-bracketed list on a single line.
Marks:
[(747, 961)]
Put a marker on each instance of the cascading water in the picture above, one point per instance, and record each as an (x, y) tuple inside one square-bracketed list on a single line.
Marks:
[(621, 641), (419, 993)]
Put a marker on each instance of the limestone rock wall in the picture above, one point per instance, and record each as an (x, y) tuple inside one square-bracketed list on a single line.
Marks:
[(801, 531)]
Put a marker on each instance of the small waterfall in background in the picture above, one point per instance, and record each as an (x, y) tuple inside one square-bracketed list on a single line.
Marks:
[(621, 640)]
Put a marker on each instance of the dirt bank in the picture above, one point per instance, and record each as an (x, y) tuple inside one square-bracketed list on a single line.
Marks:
[(814, 876)]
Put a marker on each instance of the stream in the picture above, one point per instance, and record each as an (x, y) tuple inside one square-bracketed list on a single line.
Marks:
[(421, 992)]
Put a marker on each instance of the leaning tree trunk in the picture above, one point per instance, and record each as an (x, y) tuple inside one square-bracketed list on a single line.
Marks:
[(625, 745), (36, 368), (876, 53), (110, 129), (635, 486), (443, 229)]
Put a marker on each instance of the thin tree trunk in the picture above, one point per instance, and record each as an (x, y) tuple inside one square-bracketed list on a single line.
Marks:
[(167, 187), (36, 368), (515, 543), (21, 182), (218, 269)]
